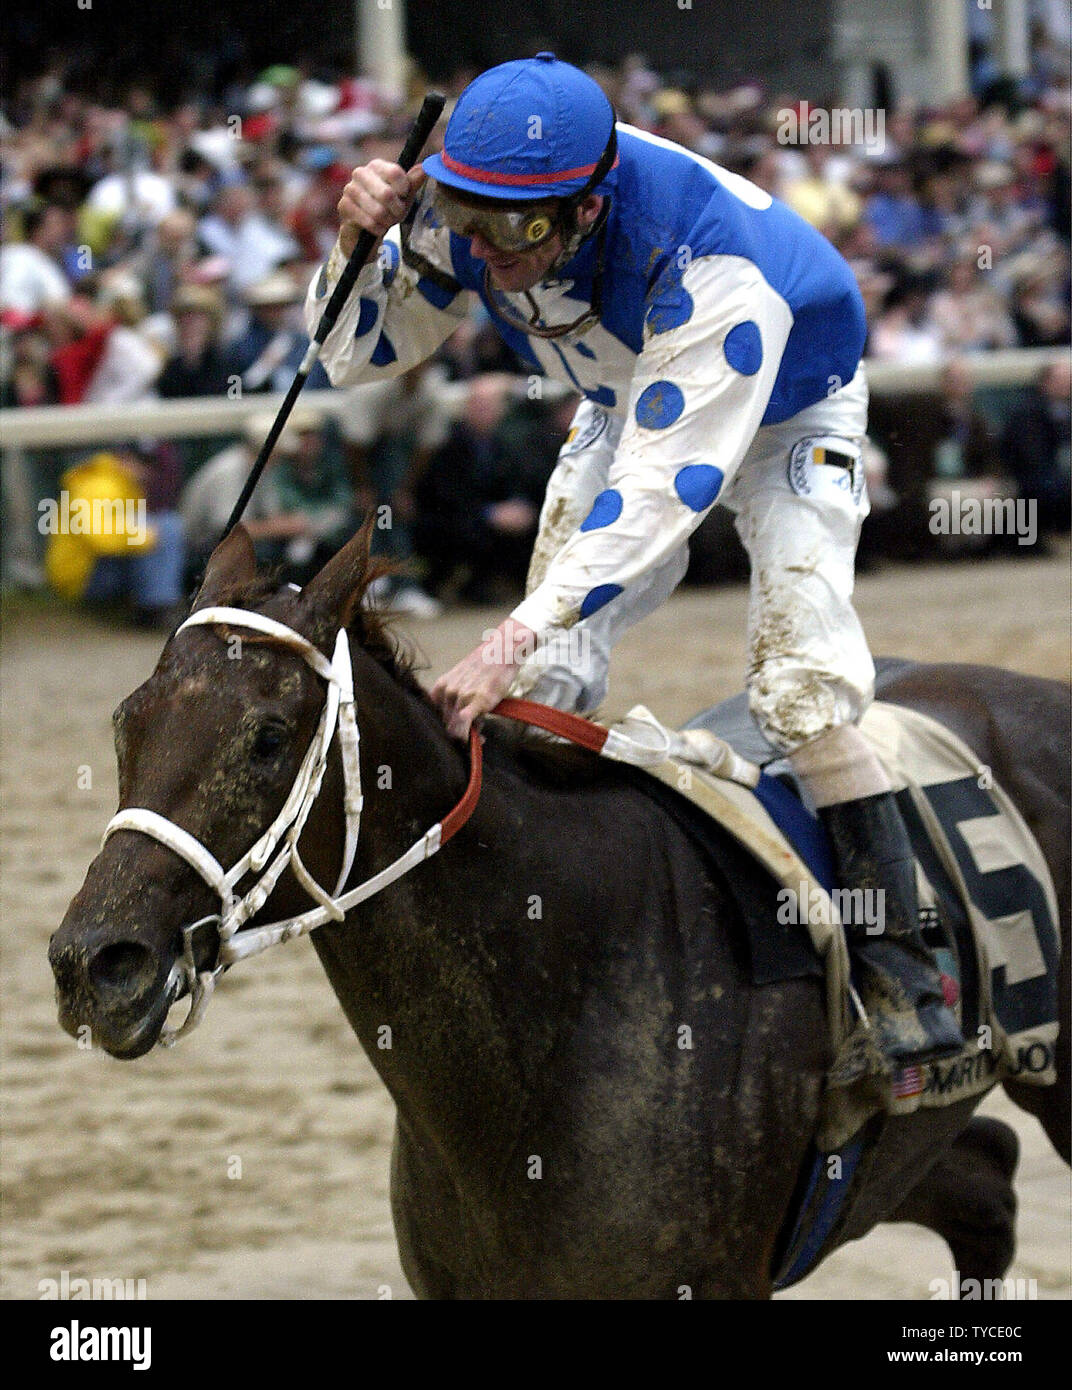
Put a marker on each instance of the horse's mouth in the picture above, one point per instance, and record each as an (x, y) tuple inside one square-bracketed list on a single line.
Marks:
[(124, 1037)]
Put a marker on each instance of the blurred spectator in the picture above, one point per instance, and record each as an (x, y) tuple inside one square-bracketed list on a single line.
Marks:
[(130, 200), (1003, 222), (253, 243), (31, 278), (270, 351), (1035, 446), (31, 379), (165, 256), (390, 431), (97, 357), (132, 548), (1039, 304), (315, 219), (676, 120), (896, 214), (209, 497), (969, 315), (199, 366), (128, 364), (196, 176), (904, 331), (821, 200), (479, 502), (311, 484), (964, 445)]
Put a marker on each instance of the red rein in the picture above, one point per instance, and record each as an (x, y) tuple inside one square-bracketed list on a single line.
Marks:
[(555, 721)]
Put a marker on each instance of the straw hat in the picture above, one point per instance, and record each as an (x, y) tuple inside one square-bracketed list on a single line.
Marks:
[(277, 288), (197, 299)]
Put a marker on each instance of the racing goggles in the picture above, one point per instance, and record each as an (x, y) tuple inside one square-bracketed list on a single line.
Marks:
[(512, 229)]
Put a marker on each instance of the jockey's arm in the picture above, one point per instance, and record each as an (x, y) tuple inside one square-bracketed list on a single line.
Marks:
[(702, 383), (404, 306)]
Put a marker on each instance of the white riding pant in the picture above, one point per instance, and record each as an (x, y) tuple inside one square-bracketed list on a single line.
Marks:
[(799, 519)]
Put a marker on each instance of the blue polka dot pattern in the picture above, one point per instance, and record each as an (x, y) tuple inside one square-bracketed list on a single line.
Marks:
[(744, 348), (584, 350), (606, 509), (439, 296), (366, 320), (603, 395), (659, 405), (671, 308), (697, 484), (596, 598), (383, 354)]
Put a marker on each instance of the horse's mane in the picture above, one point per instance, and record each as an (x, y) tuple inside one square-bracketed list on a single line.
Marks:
[(533, 753)]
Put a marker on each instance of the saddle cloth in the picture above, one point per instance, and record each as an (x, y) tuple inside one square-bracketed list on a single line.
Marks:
[(988, 910), (988, 905)]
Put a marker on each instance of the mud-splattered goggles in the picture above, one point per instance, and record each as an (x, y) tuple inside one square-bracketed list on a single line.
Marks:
[(511, 229)]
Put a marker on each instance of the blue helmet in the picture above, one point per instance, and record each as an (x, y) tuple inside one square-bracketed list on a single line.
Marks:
[(533, 128)]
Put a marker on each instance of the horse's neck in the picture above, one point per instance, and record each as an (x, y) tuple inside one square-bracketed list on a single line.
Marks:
[(414, 967)]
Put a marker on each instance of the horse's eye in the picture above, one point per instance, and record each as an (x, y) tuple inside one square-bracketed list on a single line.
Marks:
[(269, 740)]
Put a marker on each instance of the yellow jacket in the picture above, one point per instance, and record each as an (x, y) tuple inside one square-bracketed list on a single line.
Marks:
[(100, 511)]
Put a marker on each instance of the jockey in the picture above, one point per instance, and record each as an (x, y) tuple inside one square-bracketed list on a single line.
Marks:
[(715, 338)]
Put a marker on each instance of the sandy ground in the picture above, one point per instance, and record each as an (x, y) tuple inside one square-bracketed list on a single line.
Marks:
[(129, 1170)]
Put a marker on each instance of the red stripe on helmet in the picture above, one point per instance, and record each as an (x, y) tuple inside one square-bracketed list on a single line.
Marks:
[(516, 180)]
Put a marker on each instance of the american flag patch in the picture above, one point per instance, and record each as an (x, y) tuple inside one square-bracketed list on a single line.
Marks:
[(908, 1082)]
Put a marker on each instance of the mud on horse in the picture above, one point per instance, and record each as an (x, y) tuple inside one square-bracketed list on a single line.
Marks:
[(519, 1035)]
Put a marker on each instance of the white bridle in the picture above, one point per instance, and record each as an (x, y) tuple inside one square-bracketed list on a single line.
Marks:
[(338, 713)]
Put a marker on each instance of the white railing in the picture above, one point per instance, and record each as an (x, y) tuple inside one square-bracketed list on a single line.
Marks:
[(57, 426), (61, 426), (1006, 367)]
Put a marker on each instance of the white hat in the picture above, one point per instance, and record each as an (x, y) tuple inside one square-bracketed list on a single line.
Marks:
[(256, 430), (277, 288)]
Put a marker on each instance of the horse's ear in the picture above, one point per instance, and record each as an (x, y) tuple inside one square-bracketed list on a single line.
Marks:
[(332, 597), (232, 563)]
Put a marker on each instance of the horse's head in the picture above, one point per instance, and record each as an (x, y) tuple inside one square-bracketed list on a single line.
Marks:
[(213, 742)]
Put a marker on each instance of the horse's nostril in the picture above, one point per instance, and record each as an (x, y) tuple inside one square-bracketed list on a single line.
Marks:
[(124, 966)]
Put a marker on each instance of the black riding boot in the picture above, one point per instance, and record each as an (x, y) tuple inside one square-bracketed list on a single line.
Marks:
[(901, 985)]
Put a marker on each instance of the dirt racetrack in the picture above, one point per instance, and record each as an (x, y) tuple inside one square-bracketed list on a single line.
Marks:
[(126, 1170)]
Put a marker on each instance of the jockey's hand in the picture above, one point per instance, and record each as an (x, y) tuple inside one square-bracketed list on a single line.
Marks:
[(378, 195), (481, 679)]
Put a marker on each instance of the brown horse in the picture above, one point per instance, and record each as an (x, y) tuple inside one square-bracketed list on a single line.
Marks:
[(552, 1139)]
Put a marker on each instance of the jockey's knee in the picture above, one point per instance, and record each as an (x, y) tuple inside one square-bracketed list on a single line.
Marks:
[(794, 704)]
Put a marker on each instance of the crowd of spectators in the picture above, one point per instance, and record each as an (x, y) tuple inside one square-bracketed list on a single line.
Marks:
[(164, 251)]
